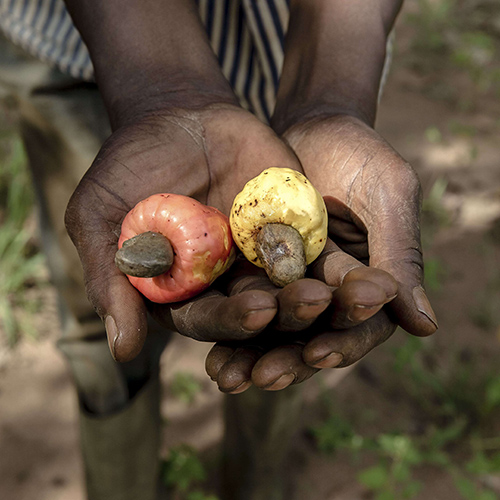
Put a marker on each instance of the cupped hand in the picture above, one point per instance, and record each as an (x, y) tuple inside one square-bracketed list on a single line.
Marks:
[(313, 329), (206, 153), (373, 198), (373, 201)]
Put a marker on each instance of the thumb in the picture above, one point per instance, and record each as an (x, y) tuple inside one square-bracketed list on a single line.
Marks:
[(117, 302), (394, 243)]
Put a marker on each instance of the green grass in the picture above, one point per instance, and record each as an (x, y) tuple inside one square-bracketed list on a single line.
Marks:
[(484, 311), (185, 387), (459, 35), (183, 472), (21, 264), (456, 402)]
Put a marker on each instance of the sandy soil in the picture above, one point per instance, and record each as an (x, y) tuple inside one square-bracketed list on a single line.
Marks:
[(39, 457)]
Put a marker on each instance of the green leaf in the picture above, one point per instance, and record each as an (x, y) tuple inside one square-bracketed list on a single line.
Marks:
[(493, 393), (495, 462), (400, 447), (185, 387), (486, 495), (411, 489), (479, 464), (401, 472), (374, 478), (466, 487), (385, 495), (449, 434), (333, 434), (183, 468), (437, 457), (200, 495)]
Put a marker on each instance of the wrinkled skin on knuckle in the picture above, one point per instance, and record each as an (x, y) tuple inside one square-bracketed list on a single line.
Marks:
[(370, 335), (406, 265), (396, 224), (384, 184)]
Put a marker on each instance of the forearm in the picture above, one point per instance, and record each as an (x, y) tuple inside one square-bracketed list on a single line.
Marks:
[(334, 56), (149, 54)]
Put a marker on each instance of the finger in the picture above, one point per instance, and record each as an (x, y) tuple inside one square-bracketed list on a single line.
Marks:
[(116, 301), (355, 302), (216, 358), (300, 303), (346, 229), (281, 367), (345, 347), (245, 276), (124, 313), (235, 374), (213, 317), (335, 267)]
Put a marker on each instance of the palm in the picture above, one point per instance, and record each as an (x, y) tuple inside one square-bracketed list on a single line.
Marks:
[(207, 155)]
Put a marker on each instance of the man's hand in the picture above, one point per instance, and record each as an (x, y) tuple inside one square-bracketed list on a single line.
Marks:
[(300, 340), (373, 200), (335, 52), (207, 154)]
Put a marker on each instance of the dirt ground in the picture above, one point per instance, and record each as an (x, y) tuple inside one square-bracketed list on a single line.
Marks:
[(39, 457)]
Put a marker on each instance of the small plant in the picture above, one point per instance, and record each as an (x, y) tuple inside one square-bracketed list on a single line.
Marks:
[(459, 36), (435, 216), (484, 313), (20, 263), (456, 403), (185, 387), (183, 471), (333, 434), (391, 478)]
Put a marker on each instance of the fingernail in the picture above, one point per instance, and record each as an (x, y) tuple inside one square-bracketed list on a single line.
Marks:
[(423, 305), (390, 298), (304, 312), (241, 388), (281, 383), (359, 313), (331, 361), (112, 333), (255, 320)]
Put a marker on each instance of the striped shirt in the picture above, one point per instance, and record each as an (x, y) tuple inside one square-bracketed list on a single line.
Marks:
[(247, 36)]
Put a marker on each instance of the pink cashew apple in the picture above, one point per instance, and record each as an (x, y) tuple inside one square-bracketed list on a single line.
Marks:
[(173, 247)]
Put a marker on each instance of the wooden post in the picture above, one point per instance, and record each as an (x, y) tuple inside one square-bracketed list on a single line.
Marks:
[(259, 429)]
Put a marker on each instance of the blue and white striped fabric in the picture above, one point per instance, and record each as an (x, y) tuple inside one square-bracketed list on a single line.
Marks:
[(44, 29), (247, 36)]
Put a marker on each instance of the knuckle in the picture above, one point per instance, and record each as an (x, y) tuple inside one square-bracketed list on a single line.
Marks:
[(400, 182), (373, 333)]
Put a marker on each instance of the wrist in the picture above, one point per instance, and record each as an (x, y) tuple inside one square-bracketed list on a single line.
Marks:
[(334, 57), (316, 111), (156, 94), (149, 55)]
